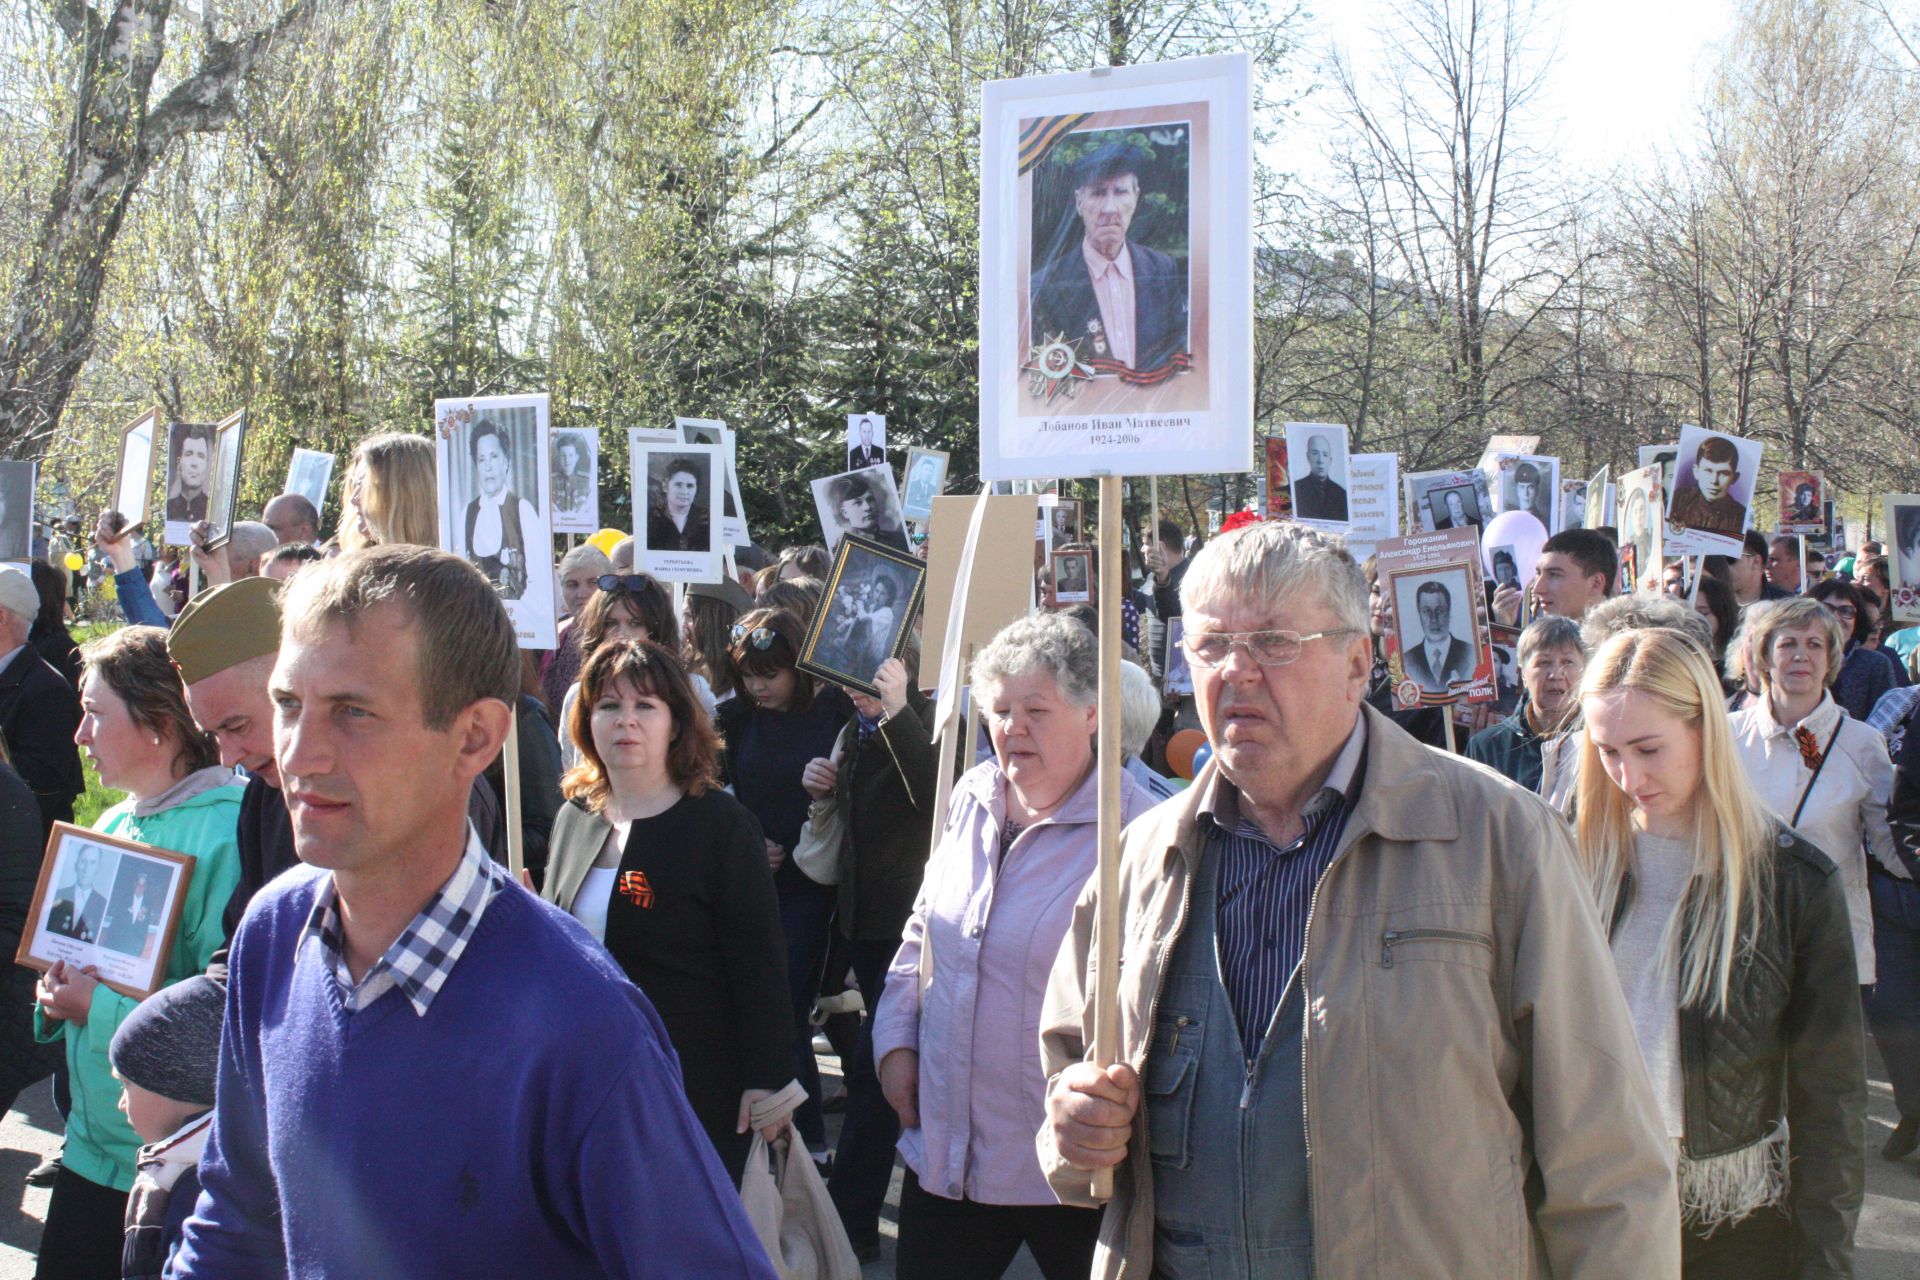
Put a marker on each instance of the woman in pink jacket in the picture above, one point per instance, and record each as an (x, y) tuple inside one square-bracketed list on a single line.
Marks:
[(957, 1031)]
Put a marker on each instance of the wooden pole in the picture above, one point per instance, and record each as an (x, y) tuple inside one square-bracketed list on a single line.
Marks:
[(193, 575), (1106, 931), (510, 775), (1801, 538)]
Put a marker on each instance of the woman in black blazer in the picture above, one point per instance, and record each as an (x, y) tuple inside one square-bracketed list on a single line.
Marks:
[(670, 872)]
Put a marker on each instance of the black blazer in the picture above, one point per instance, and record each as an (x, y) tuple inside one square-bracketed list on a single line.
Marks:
[(39, 714), (1459, 666), (860, 457), (1064, 306)]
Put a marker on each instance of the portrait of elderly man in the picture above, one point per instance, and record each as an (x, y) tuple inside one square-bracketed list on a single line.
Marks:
[(1112, 297), (1704, 500), (1338, 932), (1434, 656), (863, 448), (1317, 495)]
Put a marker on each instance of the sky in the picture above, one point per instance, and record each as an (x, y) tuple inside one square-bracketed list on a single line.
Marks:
[(1625, 80)]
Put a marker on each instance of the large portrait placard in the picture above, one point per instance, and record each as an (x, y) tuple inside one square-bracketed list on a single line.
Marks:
[(1116, 281), (1710, 502), (1642, 507), (576, 479), (133, 472), (229, 452), (1903, 554), (310, 474), (493, 468), (677, 492), (872, 595), (1439, 650), (1802, 495)]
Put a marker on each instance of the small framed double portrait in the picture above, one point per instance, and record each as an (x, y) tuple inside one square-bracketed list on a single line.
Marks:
[(872, 594), (106, 902)]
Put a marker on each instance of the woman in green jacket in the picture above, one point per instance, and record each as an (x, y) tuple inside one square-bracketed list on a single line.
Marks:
[(136, 727)]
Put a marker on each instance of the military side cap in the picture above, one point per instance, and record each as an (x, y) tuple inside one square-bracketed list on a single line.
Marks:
[(226, 627)]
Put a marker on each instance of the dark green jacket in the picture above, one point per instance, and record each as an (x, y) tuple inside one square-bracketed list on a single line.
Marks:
[(1511, 747)]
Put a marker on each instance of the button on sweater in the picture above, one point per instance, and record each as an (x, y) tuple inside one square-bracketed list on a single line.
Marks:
[(530, 1123)]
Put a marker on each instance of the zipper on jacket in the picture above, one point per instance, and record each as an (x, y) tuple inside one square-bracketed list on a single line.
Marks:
[(1350, 839), (1391, 936)]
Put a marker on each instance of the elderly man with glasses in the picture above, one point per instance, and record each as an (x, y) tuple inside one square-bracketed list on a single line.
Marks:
[(1368, 1024)]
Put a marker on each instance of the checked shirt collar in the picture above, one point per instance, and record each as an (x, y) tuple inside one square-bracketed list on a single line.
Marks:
[(424, 954)]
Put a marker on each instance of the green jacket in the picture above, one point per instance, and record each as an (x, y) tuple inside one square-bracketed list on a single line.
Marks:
[(101, 1145)]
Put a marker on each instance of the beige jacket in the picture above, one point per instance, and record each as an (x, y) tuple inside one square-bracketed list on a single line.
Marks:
[(1476, 1100)]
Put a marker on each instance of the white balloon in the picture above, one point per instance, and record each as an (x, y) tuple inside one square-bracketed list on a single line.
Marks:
[(1520, 530)]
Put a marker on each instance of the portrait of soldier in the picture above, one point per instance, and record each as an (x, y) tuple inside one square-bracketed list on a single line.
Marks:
[(1805, 507), (1436, 658), (1317, 495), (1528, 494), (862, 449), (1115, 299), (191, 474), (1704, 500)]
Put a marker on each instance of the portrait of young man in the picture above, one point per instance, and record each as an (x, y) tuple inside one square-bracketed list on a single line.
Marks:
[(1703, 499), (1116, 300), (189, 471), (1431, 652)]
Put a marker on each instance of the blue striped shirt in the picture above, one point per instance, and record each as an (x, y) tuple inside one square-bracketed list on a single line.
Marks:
[(1266, 891)]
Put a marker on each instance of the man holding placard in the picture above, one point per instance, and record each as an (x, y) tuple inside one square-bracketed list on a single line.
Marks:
[(1339, 932)]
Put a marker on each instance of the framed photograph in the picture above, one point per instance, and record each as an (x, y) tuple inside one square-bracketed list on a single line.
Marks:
[(866, 441), (1318, 471), (1373, 501), (1573, 504), (1802, 498), (1642, 513), (1506, 669), (1662, 456), (1073, 577), (229, 446), (1179, 678), (189, 478), (926, 480), (863, 502), (1903, 554), (676, 494), (1711, 502), (1439, 650), (575, 467), (1279, 483), (1442, 500), (16, 513), (1600, 493), (111, 903), (1505, 566), (1116, 272), (493, 468), (133, 469), (310, 474), (872, 594), (1530, 483), (1066, 517), (713, 431)]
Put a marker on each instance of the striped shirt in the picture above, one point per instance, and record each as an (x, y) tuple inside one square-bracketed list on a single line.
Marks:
[(1266, 891)]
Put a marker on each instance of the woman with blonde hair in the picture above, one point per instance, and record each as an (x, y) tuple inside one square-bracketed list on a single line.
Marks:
[(390, 493), (1730, 935)]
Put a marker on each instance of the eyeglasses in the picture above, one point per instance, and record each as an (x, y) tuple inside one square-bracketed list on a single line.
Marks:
[(761, 638), (634, 582), (1268, 648)]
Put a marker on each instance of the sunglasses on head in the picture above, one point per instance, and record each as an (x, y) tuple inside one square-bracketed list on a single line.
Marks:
[(761, 638), (623, 582)]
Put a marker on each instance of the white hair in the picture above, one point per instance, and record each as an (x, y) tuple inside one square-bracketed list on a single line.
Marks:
[(586, 554), (1279, 563), (1139, 708), (1049, 642)]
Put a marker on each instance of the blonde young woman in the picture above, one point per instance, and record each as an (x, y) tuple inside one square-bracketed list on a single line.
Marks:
[(1731, 938), (390, 494)]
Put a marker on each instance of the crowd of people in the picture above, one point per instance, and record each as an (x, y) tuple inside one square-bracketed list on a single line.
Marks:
[(1589, 997)]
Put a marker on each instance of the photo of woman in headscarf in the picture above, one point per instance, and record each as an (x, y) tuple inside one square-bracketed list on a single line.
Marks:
[(497, 518)]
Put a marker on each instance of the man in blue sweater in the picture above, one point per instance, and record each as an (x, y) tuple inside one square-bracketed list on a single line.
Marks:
[(426, 1071)]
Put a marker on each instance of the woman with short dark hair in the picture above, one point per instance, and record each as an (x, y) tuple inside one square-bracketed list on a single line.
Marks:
[(628, 606), (1864, 673), (670, 873)]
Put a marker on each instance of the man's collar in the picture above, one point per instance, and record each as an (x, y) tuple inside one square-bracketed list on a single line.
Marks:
[(1220, 804), (1098, 264)]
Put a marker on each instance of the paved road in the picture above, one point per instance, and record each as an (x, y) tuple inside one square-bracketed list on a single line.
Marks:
[(1888, 1246)]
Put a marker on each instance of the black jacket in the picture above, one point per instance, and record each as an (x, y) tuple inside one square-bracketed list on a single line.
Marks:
[(39, 714), (1790, 1043), (23, 1059), (1064, 306), (57, 646), (885, 792), (539, 790)]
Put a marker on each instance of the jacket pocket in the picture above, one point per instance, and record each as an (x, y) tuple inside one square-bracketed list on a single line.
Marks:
[(1169, 1084), (1454, 946)]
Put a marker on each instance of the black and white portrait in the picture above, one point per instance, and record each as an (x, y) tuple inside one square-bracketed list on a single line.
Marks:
[(872, 594), (866, 441), (1506, 567), (107, 904), (493, 471), (80, 887), (16, 511), (575, 467), (190, 452), (135, 906), (926, 480), (1066, 521), (1454, 507), (310, 474), (1573, 504), (1801, 495), (1903, 522), (1434, 610), (133, 477), (1073, 577), (864, 502), (1530, 484), (1506, 669), (1438, 500), (676, 488), (1317, 456)]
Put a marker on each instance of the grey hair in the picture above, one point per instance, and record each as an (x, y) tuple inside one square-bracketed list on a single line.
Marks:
[(1049, 642), (248, 540), (588, 555), (1275, 562), (1139, 708), (1550, 632), (1644, 609)]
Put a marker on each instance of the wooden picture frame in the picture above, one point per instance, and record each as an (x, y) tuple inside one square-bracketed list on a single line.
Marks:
[(126, 928), (842, 645), (223, 494), (140, 484)]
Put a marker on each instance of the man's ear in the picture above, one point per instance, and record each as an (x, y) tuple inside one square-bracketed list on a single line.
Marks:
[(482, 728)]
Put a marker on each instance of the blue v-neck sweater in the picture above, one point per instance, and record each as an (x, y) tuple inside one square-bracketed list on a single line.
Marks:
[(532, 1123)]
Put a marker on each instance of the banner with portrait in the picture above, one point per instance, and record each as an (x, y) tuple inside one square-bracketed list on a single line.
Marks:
[(575, 466), (1903, 554), (1710, 500), (1803, 495), (1374, 490), (1642, 512), (1116, 272), (677, 490), (492, 465), (1439, 649)]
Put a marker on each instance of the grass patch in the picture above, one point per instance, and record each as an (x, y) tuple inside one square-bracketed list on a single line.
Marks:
[(96, 799)]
